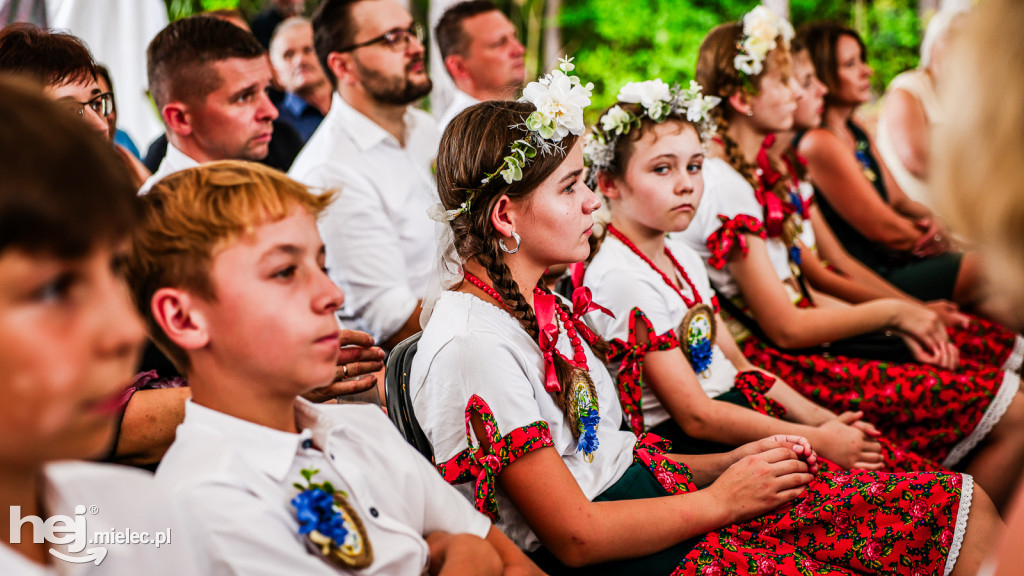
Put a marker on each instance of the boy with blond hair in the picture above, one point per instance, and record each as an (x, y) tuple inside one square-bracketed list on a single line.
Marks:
[(228, 272)]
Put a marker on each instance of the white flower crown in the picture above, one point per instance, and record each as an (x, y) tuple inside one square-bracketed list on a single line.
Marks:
[(761, 27), (559, 99), (659, 102)]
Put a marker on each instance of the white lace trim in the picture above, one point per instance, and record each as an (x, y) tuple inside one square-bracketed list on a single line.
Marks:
[(1007, 392), (966, 494), (1016, 359)]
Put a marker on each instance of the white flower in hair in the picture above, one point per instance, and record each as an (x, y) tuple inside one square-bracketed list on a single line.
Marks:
[(560, 100), (616, 120), (598, 152), (761, 27), (697, 105), (654, 95)]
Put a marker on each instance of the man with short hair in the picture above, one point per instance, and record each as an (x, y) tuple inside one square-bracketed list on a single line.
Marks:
[(481, 52), (378, 150), (209, 79), (308, 93), (264, 24)]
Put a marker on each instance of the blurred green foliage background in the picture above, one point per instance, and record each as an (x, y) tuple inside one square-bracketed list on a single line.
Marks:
[(618, 41)]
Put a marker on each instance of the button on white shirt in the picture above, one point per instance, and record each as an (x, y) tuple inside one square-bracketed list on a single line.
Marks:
[(174, 161), (233, 480), (115, 498), (380, 241)]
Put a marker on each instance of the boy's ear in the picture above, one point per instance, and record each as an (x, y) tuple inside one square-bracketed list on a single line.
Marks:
[(740, 102), (176, 313), (503, 216), (608, 186)]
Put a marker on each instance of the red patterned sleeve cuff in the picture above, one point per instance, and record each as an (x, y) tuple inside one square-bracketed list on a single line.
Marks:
[(650, 451), (730, 235), (755, 385), (630, 356), (483, 465)]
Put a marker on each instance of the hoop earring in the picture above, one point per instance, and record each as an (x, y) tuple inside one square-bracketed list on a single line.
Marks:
[(501, 244)]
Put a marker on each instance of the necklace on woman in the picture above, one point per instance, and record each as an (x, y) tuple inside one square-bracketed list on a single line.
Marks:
[(583, 413), (697, 330)]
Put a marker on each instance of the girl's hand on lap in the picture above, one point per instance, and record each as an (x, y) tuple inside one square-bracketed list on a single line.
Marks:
[(848, 446), (949, 313), (761, 482)]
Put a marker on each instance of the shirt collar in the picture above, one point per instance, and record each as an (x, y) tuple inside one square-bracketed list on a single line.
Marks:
[(295, 104), (178, 160), (264, 449), (365, 132)]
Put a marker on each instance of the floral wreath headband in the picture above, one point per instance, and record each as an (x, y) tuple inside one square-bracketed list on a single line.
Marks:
[(658, 102), (761, 27), (559, 99)]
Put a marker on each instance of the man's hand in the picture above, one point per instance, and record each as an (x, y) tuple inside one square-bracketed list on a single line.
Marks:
[(358, 360)]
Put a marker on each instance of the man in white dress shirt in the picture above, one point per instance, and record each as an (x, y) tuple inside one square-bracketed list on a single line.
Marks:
[(209, 79), (482, 53), (377, 150)]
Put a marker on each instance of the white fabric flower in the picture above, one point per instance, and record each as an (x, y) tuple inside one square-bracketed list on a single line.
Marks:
[(616, 120), (648, 94)]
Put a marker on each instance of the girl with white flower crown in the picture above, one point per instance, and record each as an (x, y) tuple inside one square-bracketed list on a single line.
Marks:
[(679, 376), (830, 351), (507, 386)]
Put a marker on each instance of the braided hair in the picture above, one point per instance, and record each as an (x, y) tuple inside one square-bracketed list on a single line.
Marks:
[(474, 144)]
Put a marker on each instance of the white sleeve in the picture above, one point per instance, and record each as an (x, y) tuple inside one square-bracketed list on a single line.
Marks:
[(622, 292), (364, 255)]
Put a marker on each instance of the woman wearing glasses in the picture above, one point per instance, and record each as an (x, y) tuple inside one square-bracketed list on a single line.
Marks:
[(65, 68)]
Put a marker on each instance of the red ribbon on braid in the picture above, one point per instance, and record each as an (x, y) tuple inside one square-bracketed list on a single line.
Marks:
[(582, 303), (547, 337), (775, 210)]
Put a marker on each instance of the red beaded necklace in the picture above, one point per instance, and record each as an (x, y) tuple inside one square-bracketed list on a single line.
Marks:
[(696, 295), (579, 356)]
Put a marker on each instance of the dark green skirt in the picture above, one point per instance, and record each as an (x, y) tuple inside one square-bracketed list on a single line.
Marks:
[(683, 444), (636, 483)]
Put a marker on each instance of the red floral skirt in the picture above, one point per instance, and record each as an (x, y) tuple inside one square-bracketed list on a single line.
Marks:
[(988, 343), (939, 414), (843, 523)]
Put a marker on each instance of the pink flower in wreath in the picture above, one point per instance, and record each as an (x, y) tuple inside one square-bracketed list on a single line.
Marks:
[(765, 567), (918, 509)]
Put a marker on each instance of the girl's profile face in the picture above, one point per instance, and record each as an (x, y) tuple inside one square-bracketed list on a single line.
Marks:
[(774, 104), (810, 91), (663, 182), (854, 75), (557, 218), (69, 346)]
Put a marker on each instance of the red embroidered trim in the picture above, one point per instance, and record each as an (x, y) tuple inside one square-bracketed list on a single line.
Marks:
[(630, 356), (755, 385), (730, 235), (674, 477), (483, 466)]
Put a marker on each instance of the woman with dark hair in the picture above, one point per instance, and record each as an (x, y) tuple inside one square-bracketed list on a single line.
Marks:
[(507, 386), (872, 217)]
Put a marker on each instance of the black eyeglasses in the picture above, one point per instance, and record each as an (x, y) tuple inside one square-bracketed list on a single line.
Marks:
[(102, 104), (397, 40)]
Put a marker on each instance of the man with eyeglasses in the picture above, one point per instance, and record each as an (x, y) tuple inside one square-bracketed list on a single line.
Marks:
[(377, 150), (481, 52)]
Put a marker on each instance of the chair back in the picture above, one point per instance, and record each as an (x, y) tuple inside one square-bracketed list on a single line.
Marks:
[(396, 389)]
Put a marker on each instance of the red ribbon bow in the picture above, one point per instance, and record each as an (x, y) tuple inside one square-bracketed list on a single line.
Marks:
[(582, 303), (547, 337), (730, 235), (775, 210)]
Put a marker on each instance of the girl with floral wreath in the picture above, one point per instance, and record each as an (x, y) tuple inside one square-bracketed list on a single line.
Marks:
[(829, 268), (502, 386), (679, 376), (938, 410), (873, 218)]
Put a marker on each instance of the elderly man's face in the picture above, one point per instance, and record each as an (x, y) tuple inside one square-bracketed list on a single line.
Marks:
[(295, 60)]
